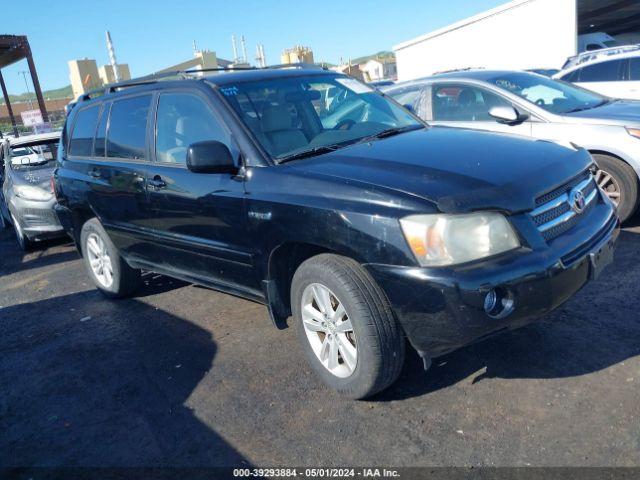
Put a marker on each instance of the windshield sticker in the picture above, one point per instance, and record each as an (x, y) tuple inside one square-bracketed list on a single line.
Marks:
[(354, 85), (230, 91)]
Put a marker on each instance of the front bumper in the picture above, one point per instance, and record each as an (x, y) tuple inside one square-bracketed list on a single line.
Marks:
[(38, 220), (443, 309)]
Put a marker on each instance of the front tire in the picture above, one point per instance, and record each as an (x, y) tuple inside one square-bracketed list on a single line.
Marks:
[(619, 182), (346, 326), (106, 267)]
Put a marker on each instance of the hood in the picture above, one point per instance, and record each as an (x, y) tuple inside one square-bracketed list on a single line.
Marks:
[(618, 112), (459, 170), (38, 177)]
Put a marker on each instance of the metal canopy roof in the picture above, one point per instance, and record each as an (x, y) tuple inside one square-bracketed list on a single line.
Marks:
[(611, 16), (12, 49)]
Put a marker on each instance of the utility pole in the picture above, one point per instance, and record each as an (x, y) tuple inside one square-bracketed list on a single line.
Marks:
[(112, 58), (26, 84)]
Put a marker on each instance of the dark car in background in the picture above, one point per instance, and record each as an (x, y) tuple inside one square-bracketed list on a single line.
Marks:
[(26, 197), (369, 229)]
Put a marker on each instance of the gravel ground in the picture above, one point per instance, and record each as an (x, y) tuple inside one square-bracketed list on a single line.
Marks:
[(184, 376)]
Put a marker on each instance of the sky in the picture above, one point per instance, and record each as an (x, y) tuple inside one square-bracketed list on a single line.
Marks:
[(151, 35)]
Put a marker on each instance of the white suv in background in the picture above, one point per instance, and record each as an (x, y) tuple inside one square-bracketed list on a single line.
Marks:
[(614, 72)]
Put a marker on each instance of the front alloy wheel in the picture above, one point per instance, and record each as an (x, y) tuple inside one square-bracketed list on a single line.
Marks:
[(346, 327), (329, 330)]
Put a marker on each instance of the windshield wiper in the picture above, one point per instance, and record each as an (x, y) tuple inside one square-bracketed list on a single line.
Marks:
[(390, 132), (589, 107), (312, 152), (319, 150)]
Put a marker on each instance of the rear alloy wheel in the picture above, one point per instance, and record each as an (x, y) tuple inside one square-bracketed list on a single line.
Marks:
[(99, 260), (23, 240), (106, 267), (619, 183)]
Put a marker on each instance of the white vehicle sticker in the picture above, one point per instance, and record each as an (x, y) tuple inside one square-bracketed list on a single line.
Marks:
[(354, 85)]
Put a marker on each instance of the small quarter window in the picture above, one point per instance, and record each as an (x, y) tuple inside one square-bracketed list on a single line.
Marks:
[(127, 133), (82, 137)]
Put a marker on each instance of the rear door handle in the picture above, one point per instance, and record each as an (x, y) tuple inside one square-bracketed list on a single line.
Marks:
[(157, 182)]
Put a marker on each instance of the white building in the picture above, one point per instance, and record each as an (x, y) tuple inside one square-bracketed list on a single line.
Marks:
[(379, 69), (521, 34)]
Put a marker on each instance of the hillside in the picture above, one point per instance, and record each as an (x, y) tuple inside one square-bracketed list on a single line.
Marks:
[(381, 54), (55, 94)]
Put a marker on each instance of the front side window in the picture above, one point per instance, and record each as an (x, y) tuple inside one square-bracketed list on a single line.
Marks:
[(127, 133), (81, 142), (464, 103), (610, 71), (549, 94), (184, 119), (302, 114)]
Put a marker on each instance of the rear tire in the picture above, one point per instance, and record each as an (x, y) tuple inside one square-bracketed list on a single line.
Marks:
[(620, 182), (106, 267), (376, 340)]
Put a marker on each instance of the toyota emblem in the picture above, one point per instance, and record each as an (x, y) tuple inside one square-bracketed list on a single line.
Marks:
[(577, 201)]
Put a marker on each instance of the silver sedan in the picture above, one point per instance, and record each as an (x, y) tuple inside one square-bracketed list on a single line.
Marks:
[(536, 106), (26, 199)]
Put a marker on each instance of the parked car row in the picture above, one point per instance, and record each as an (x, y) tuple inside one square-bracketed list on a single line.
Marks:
[(325, 200)]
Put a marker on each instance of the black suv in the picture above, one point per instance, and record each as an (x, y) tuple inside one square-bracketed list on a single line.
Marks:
[(311, 193)]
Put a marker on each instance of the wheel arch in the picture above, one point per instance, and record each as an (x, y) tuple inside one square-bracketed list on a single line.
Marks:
[(596, 151), (283, 260)]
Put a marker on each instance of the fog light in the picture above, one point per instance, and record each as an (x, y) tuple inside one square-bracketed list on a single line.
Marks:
[(498, 303)]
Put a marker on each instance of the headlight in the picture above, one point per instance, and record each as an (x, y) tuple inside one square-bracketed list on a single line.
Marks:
[(634, 132), (439, 239), (32, 193)]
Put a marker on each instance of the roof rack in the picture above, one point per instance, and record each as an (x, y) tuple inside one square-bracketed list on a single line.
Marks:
[(183, 75), (595, 54), (454, 70)]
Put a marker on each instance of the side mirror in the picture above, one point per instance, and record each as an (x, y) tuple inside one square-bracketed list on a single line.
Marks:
[(210, 157), (507, 115)]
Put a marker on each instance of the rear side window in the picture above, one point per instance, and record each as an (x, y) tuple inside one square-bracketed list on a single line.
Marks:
[(128, 128), (610, 71), (81, 141)]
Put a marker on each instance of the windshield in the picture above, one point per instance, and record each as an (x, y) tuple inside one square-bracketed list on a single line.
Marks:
[(33, 156), (314, 113), (552, 95)]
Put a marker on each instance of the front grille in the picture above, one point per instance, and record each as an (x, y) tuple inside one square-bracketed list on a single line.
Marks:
[(553, 194), (555, 211)]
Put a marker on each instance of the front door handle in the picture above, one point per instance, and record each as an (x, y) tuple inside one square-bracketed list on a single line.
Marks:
[(95, 173), (157, 182)]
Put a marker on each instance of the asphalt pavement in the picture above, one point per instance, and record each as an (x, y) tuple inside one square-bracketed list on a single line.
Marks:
[(184, 376)]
